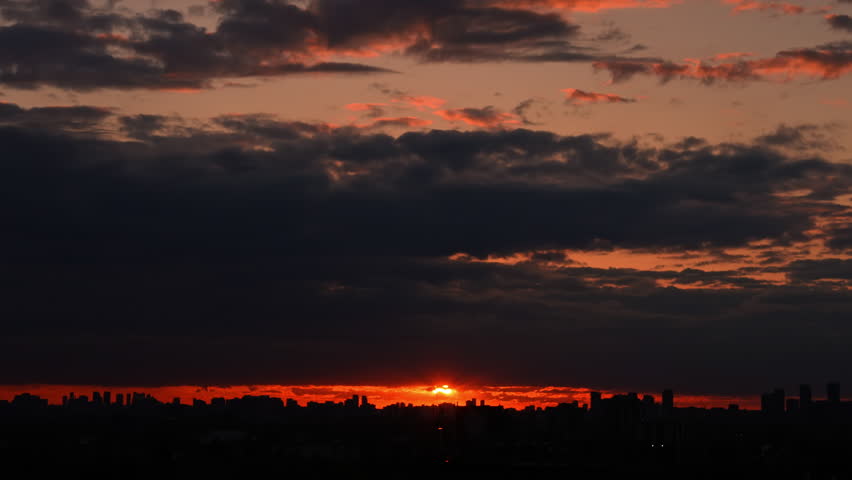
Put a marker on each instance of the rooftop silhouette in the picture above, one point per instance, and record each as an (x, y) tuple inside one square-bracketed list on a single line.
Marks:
[(789, 437)]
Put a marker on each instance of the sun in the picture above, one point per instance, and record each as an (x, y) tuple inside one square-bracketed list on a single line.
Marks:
[(443, 390)]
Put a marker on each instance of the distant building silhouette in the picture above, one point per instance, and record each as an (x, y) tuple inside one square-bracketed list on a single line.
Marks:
[(773, 402), (668, 402), (595, 401), (832, 391), (805, 396), (792, 405)]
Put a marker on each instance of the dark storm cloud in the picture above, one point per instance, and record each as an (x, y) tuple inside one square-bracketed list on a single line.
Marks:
[(841, 238), (827, 269), (260, 251), (840, 22), (82, 118), (453, 31), (72, 44)]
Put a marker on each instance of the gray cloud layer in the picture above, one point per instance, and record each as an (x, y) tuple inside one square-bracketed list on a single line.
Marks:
[(253, 250)]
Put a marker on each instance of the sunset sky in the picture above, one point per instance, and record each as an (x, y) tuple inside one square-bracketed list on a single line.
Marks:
[(570, 194)]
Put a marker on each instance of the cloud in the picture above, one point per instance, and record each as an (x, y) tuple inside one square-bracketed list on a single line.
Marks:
[(531, 107), (75, 45), (421, 102), (372, 110), (81, 119), (805, 137), (578, 97), (829, 61), (827, 269), (840, 22), (398, 122), (249, 249), (587, 6), (781, 8), (487, 117), (730, 55)]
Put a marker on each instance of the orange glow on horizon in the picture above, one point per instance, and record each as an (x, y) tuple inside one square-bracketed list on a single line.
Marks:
[(517, 397)]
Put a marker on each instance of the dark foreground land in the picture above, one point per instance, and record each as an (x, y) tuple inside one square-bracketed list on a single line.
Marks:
[(619, 437)]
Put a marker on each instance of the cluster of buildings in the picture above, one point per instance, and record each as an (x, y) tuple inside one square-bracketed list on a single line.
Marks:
[(777, 403), (626, 407)]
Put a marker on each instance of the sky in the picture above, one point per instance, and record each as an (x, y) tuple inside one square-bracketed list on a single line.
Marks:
[(580, 194)]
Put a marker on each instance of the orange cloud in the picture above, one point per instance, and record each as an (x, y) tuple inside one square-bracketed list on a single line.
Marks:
[(577, 97), (364, 107), (730, 55), (180, 90), (783, 8), (588, 6), (487, 117), (421, 102), (828, 61)]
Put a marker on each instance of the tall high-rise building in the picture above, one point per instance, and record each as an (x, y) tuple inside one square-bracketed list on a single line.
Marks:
[(832, 391), (107, 398), (792, 405), (96, 398), (595, 401), (805, 397), (668, 402), (773, 402), (364, 401)]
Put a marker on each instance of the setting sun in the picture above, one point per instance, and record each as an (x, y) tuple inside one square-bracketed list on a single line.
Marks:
[(443, 390)]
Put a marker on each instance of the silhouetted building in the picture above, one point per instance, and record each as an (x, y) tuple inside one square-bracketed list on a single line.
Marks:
[(832, 391), (668, 402), (626, 434), (595, 401), (107, 398), (792, 405), (119, 399), (805, 396), (773, 403)]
